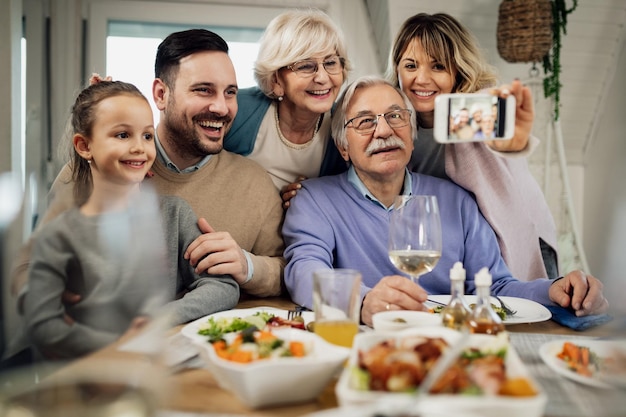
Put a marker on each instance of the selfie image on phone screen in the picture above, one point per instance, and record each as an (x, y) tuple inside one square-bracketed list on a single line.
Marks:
[(473, 117)]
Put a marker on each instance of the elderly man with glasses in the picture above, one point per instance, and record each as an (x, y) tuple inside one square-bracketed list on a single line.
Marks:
[(342, 221)]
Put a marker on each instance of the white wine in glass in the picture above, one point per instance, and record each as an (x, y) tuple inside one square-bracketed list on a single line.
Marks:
[(415, 234)]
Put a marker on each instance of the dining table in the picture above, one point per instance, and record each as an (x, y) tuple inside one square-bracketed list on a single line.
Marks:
[(194, 392)]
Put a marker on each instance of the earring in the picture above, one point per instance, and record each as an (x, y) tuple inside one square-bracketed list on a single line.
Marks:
[(280, 98), (89, 161)]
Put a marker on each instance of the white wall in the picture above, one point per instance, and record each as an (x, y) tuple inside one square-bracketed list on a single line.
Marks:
[(605, 193)]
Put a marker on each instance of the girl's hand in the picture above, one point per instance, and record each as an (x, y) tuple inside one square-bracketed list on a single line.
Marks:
[(524, 116)]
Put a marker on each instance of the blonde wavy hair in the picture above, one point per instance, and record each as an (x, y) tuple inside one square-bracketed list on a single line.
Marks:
[(448, 42)]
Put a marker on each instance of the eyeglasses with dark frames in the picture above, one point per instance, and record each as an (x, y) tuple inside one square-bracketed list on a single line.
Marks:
[(367, 123), (307, 67)]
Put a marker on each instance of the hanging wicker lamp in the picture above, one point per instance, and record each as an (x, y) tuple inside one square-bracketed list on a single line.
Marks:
[(524, 30)]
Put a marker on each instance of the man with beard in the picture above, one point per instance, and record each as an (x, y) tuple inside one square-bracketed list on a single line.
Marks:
[(195, 89), (342, 221)]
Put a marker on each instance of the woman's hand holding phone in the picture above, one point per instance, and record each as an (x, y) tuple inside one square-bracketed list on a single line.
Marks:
[(475, 117), (524, 117)]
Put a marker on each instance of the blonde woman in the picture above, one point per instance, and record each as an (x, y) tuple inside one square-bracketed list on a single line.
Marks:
[(433, 55)]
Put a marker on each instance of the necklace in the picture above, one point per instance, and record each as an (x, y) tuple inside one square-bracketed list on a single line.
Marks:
[(296, 146)]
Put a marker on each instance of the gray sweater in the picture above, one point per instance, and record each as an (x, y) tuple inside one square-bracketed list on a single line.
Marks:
[(122, 265)]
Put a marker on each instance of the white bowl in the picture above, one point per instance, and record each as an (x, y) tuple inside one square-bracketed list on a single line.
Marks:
[(486, 405), (279, 380), (403, 319)]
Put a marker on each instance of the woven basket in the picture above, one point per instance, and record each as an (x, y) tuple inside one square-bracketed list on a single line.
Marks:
[(524, 30)]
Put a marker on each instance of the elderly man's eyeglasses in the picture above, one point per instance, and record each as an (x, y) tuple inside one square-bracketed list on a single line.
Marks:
[(306, 68), (367, 124)]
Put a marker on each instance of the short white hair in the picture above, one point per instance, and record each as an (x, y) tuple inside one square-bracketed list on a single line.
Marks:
[(293, 36), (338, 122)]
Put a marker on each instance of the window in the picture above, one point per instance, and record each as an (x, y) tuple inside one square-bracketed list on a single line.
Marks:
[(123, 35), (131, 48)]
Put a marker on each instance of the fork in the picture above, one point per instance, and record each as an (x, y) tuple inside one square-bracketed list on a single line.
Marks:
[(507, 309), (291, 314)]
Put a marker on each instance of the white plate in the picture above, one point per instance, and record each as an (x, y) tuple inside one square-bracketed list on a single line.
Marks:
[(528, 311), (191, 329), (602, 348), (387, 320)]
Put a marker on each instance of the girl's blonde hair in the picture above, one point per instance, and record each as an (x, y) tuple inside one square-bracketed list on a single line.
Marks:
[(82, 119)]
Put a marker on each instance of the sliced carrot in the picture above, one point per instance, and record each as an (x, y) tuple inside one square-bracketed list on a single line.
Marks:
[(219, 345), (241, 356), (265, 335), (584, 356), (297, 349), (571, 351), (577, 358)]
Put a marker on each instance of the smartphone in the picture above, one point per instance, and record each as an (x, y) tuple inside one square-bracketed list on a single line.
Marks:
[(473, 117)]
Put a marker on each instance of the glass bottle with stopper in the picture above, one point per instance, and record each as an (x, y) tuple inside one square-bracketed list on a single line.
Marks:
[(456, 313), (483, 319)]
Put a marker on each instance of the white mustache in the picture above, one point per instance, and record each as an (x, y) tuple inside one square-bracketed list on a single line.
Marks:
[(378, 144)]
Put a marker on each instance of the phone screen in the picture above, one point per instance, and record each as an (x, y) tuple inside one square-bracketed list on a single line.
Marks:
[(476, 117)]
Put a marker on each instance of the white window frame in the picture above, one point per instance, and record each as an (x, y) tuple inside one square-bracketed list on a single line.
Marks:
[(205, 14)]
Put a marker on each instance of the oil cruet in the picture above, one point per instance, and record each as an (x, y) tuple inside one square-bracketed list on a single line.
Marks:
[(483, 319), (455, 315)]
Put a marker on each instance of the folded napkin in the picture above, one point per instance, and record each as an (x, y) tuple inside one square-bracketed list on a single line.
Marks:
[(566, 317)]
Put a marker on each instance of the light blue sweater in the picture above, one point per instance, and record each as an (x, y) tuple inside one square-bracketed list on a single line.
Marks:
[(331, 225)]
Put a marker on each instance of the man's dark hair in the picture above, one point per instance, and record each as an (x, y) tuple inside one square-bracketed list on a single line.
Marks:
[(181, 44)]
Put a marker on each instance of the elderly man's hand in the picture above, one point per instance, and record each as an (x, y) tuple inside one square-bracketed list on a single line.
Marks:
[(580, 291), (393, 292)]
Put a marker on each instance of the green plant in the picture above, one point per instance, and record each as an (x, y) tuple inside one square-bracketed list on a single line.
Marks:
[(552, 61)]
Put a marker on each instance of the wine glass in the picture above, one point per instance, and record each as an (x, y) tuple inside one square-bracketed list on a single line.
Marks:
[(415, 234)]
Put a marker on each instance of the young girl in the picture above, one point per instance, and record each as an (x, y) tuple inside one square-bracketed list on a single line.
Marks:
[(116, 250)]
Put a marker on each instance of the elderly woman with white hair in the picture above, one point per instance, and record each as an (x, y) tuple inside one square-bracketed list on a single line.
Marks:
[(284, 123)]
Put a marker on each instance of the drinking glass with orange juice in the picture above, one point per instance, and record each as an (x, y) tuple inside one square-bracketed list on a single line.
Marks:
[(337, 305)]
